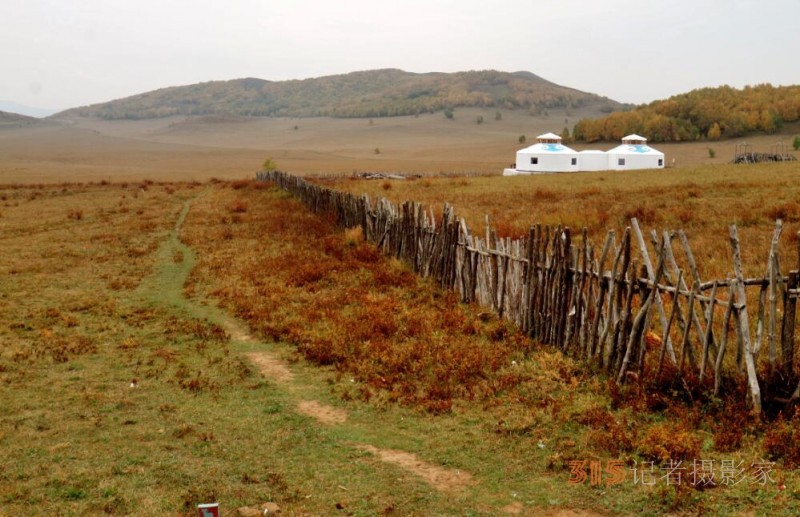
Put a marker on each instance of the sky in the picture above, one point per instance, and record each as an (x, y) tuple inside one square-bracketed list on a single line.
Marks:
[(62, 54)]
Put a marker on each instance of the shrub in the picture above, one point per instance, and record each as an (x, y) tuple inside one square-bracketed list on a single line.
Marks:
[(238, 206), (780, 442), (669, 441), (269, 165), (787, 212)]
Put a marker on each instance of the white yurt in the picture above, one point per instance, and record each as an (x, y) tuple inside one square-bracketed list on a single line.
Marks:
[(548, 154), (634, 153)]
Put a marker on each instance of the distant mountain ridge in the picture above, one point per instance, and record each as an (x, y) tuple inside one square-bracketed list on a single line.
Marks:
[(17, 120), (21, 109), (373, 93)]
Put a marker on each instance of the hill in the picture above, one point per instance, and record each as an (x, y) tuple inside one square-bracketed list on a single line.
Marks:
[(22, 109), (16, 120), (375, 93), (707, 113)]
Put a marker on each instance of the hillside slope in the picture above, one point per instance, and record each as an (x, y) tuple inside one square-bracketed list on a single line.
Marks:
[(375, 93), (710, 113), (16, 120)]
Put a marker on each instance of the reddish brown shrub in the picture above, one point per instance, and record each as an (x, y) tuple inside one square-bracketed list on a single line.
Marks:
[(238, 206), (788, 212), (781, 439), (608, 433), (643, 213), (669, 441)]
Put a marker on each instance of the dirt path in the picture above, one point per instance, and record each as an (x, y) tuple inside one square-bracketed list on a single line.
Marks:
[(322, 413), (271, 367), (167, 287), (440, 478)]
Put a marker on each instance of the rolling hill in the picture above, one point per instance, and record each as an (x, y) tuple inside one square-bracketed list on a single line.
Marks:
[(706, 113), (375, 93), (16, 120)]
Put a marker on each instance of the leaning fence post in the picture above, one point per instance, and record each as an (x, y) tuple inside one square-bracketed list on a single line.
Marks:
[(744, 324)]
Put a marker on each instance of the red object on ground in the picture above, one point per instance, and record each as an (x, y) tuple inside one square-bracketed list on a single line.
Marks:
[(208, 510)]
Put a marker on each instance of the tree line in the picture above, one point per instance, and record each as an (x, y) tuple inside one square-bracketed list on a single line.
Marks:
[(706, 113)]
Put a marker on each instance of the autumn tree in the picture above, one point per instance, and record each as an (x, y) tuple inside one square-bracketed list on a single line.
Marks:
[(269, 165), (715, 132), (709, 112)]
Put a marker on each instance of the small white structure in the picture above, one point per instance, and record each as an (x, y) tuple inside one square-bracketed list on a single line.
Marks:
[(634, 153), (546, 155), (592, 160), (549, 155)]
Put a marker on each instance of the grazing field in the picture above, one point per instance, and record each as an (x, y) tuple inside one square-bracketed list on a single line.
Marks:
[(278, 359), (186, 149), (702, 200)]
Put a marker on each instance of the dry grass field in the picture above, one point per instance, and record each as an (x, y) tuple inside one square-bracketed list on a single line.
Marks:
[(166, 342), (139, 375), (702, 200), (177, 149)]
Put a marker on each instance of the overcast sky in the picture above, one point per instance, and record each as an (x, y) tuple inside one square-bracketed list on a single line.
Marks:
[(66, 53)]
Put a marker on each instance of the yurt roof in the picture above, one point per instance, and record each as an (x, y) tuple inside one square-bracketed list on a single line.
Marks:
[(541, 148), (634, 137), (634, 149), (548, 136)]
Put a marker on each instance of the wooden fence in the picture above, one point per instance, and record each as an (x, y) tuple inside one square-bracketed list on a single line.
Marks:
[(616, 307)]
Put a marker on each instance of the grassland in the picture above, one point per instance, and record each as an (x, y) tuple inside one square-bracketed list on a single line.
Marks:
[(181, 149), (128, 377), (129, 383), (702, 200)]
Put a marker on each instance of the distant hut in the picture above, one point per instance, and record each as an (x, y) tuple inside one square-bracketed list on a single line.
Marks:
[(548, 154), (634, 153)]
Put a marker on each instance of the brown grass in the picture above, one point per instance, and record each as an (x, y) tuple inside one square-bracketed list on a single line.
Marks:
[(174, 149), (401, 340), (368, 317), (111, 404), (703, 201)]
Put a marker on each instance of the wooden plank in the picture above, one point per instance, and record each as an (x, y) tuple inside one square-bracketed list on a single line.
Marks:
[(726, 319), (603, 287), (637, 330), (701, 331), (774, 273), (709, 328), (788, 328), (624, 326), (675, 310), (619, 269), (650, 272), (744, 325), (686, 330)]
